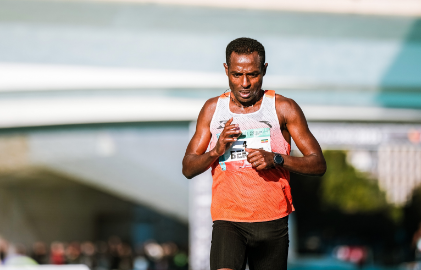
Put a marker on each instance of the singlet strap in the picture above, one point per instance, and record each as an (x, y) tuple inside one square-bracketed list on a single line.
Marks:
[(225, 95), (270, 93)]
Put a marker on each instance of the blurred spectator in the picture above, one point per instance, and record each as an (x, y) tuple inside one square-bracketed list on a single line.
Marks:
[(102, 258), (88, 254), (17, 257), (39, 253), (113, 243), (154, 251), (150, 256), (170, 250), (73, 253), (3, 249), (57, 253), (126, 257)]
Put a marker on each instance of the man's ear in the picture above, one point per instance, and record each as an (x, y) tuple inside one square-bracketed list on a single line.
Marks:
[(265, 66), (226, 68)]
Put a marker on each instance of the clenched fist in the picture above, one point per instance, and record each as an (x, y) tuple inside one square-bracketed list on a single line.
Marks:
[(260, 159), (229, 135)]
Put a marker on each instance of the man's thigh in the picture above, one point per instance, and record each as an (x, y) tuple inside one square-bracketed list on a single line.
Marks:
[(268, 248), (228, 248)]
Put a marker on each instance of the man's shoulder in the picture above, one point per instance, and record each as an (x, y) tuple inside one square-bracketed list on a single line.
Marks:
[(208, 110), (284, 102), (211, 102), (287, 109)]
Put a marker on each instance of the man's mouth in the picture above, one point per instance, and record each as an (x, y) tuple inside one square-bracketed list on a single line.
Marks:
[(245, 94)]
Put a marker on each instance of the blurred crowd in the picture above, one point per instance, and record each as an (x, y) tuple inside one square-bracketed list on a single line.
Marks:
[(113, 254)]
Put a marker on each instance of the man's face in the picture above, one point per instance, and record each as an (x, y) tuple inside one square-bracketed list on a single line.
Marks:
[(245, 75)]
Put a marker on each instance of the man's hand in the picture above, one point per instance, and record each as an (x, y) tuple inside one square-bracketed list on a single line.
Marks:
[(229, 135), (260, 159)]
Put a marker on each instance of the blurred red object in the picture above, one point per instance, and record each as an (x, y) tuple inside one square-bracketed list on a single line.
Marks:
[(354, 254), (414, 136), (57, 253)]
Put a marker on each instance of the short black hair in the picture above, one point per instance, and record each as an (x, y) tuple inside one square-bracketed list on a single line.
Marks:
[(245, 45)]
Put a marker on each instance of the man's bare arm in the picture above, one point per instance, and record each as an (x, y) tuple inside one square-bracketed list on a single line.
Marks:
[(312, 162), (196, 161), (294, 124)]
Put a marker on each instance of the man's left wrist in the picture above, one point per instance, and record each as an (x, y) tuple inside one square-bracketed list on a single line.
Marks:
[(278, 160)]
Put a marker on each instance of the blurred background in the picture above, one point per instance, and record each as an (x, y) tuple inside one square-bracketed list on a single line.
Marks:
[(98, 101)]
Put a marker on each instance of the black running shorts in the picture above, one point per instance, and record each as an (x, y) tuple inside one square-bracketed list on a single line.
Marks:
[(263, 245)]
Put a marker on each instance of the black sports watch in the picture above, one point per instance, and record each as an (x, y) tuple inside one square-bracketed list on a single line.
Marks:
[(278, 159)]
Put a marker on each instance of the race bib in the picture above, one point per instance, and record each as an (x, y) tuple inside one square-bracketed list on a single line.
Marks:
[(236, 157)]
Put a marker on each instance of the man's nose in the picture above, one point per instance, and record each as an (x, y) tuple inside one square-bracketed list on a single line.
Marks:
[(245, 82)]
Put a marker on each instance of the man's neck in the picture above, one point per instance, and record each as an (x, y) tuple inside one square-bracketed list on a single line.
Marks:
[(249, 107)]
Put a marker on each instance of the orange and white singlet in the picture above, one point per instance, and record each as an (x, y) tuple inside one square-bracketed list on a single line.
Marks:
[(239, 192)]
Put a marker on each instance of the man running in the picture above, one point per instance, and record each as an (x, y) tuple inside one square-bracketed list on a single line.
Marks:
[(251, 195)]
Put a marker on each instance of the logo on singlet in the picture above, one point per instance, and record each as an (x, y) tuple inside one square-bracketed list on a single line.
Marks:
[(266, 122), (222, 124)]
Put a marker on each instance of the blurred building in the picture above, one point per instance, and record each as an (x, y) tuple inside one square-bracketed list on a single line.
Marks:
[(98, 101), (399, 171)]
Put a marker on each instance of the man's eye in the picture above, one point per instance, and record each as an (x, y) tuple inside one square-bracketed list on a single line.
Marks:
[(237, 75)]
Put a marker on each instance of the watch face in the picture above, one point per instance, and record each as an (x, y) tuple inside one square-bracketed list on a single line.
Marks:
[(279, 159)]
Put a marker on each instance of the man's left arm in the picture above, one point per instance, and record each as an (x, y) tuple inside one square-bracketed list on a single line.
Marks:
[(311, 163)]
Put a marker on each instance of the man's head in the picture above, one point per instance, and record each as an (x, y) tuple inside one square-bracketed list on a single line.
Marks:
[(245, 68), (245, 46)]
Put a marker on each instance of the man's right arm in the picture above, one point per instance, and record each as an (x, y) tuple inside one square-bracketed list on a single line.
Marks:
[(196, 161)]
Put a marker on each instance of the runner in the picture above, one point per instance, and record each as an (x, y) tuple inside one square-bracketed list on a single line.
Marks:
[(245, 136)]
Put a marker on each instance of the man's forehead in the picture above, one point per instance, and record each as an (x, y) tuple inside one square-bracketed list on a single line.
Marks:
[(245, 62), (248, 58)]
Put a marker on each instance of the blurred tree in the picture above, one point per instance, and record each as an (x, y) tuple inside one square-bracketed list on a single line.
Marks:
[(348, 190), (413, 211), (413, 208), (346, 207)]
